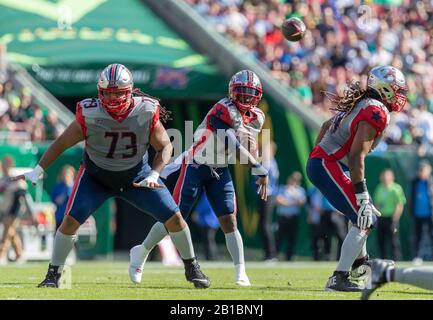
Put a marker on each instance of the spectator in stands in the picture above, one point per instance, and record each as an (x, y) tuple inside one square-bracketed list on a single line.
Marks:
[(266, 208), (314, 202), (337, 46), (389, 199), (51, 128), (3, 62), (14, 202), (332, 223), (328, 222), (61, 192), (421, 205), (207, 221), (21, 119), (290, 199)]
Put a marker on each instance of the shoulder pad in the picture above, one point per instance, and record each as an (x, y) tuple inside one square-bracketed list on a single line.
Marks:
[(90, 103), (146, 103)]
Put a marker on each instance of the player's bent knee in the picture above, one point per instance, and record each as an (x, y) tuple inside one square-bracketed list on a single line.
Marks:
[(228, 223), (69, 226), (175, 223)]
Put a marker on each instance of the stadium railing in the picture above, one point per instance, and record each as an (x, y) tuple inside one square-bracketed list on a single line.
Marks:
[(43, 96)]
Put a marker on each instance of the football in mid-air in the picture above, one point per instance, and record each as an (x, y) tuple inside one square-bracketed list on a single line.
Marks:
[(293, 29)]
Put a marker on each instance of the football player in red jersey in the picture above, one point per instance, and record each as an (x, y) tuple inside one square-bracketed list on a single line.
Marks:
[(342, 145), (205, 168), (118, 128)]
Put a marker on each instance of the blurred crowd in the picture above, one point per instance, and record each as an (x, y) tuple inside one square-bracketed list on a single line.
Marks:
[(344, 39), (21, 117)]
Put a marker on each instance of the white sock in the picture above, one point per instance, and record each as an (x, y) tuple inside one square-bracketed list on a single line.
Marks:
[(62, 247), (363, 252), (182, 241), (421, 277), (156, 234), (235, 246), (352, 246)]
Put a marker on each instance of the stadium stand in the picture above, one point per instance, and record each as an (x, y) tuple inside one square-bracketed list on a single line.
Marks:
[(339, 46), (22, 116)]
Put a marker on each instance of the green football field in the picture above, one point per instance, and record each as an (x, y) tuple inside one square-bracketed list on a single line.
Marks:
[(109, 280)]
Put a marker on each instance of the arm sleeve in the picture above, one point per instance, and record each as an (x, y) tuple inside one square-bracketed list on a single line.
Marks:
[(217, 123)]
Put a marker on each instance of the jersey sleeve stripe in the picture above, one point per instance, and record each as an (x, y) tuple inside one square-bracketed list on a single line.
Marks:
[(80, 119), (155, 119)]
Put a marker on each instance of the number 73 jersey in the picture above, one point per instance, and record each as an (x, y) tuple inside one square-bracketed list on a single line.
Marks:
[(117, 144)]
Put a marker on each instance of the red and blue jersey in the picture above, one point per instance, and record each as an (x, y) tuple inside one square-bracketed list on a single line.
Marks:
[(223, 115), (338, 139)]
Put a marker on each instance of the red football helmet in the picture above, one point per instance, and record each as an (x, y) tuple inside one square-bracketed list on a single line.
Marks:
[(245, 89), (115, 88)]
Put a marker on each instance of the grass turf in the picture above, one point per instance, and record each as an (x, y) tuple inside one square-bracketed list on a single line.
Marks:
[(109, 280)]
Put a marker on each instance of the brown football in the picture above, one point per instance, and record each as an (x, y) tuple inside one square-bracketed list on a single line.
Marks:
[(293, 29)]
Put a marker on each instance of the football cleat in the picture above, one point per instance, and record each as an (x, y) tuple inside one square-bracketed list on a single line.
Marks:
[(360, 268), (137, 258), (339, 281), (379, 268), (241, 278), (243, 281), (195, 275), (52, 279)]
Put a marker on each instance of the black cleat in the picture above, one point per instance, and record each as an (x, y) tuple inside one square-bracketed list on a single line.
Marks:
[(195, 275), (339, 281), (379, 268), (52, 279), (359, 269)]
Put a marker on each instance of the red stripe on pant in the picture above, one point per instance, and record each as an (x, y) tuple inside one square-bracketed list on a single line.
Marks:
[(179, 184), (235, 204), (74, 190), (343, 182)]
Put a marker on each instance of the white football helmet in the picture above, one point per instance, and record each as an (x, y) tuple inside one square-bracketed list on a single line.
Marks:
[(390, 84), (115, 87), (245, 89)]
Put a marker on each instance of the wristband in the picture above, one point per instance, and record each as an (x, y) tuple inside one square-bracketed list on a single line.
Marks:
[(154, 175), (39, 170), (259, 170), (360, 187)]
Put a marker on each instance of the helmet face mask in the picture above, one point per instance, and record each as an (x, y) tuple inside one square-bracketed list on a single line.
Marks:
[(115, 89), (245, 90), (390, 84)]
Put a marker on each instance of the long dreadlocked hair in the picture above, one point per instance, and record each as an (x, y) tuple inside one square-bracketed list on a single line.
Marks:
[(164, 114), (352, 94)]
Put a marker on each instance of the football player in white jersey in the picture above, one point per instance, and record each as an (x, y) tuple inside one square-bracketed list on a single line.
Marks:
[(205, 168), (117, 128), (385, 271), (342, 145)]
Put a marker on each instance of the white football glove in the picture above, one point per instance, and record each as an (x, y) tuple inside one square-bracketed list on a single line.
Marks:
[(34, 175), (365, 211), (150, 181)]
